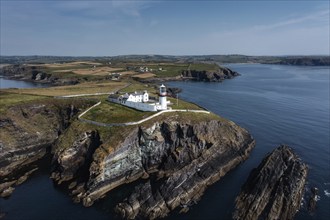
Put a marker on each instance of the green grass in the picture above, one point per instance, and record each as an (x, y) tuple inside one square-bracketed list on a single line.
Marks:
[(170, 70), (183, 104), (136, 86), (10, 99), (174, 69), (83, 88), (108, 112), (204, 67)]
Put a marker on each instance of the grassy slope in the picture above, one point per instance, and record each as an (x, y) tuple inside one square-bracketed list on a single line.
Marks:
[(107, 112), (8, 99), (84, 88), (114, 113)]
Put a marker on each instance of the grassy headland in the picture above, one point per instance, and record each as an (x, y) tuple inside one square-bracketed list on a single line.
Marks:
[(99, 76)]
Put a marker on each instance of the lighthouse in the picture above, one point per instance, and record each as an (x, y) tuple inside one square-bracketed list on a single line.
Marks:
[(162, 97)]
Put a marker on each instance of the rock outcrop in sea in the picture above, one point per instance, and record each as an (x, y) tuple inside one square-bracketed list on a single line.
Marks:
[(275, 189)]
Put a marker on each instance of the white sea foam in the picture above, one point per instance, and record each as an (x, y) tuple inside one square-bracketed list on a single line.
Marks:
[(327, 193)]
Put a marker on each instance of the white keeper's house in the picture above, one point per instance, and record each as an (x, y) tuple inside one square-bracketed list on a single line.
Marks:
[(141, 101)]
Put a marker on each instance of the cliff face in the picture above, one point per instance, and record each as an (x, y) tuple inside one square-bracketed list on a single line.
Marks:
[(73, 162), (26, 131), (275, 189), (179, 160), (208, 76), (179, 155)]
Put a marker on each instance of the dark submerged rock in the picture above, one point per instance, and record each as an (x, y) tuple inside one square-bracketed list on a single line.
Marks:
[(275, 189)]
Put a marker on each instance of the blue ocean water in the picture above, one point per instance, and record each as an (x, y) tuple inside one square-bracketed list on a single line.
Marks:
[(276, 104), (7, 83)]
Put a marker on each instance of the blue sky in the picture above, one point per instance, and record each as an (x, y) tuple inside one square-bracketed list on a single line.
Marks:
[(106, 28)]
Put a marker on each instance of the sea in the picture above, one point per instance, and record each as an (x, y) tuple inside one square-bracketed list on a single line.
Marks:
[(277, 104), (8, 83)]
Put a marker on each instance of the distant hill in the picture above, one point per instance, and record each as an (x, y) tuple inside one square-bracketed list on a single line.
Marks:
[(222, 59)]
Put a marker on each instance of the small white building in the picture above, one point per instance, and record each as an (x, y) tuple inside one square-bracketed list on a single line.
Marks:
[(140, 100), (137, 96)]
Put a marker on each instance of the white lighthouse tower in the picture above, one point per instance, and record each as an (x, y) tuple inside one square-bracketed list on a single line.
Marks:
[(162, 97)]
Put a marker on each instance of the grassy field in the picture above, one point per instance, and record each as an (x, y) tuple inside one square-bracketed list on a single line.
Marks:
[(144, 75), (162, 69), (204, 66), (8, 99), (109, 112), (84, 88), (180, 104), (136, 86), (87, 70), (173, 70), (92, 70), (169, 70)]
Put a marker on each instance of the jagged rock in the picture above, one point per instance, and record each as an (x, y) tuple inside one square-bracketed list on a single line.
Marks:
[(180, 159), (40, 76), (6, 186), (275, 189), (173, 91), (26, 131), (7, 192), (313, 199), (69, 162), (23, 178)]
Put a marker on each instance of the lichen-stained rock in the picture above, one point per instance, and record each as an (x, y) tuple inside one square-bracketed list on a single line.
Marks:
[(69, 162), (275, 189), (180, 159)]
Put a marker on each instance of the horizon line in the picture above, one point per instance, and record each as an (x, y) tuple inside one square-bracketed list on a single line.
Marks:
[(288, 55)]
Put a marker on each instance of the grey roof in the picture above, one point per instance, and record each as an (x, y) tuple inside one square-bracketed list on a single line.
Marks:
[(114, 96)]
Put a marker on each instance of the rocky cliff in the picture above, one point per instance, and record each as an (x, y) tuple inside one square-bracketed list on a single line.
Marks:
[(178, 159), (209, 76), (26, 133), (74, 161), (35, 74), (177, 154), (275, 189)]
